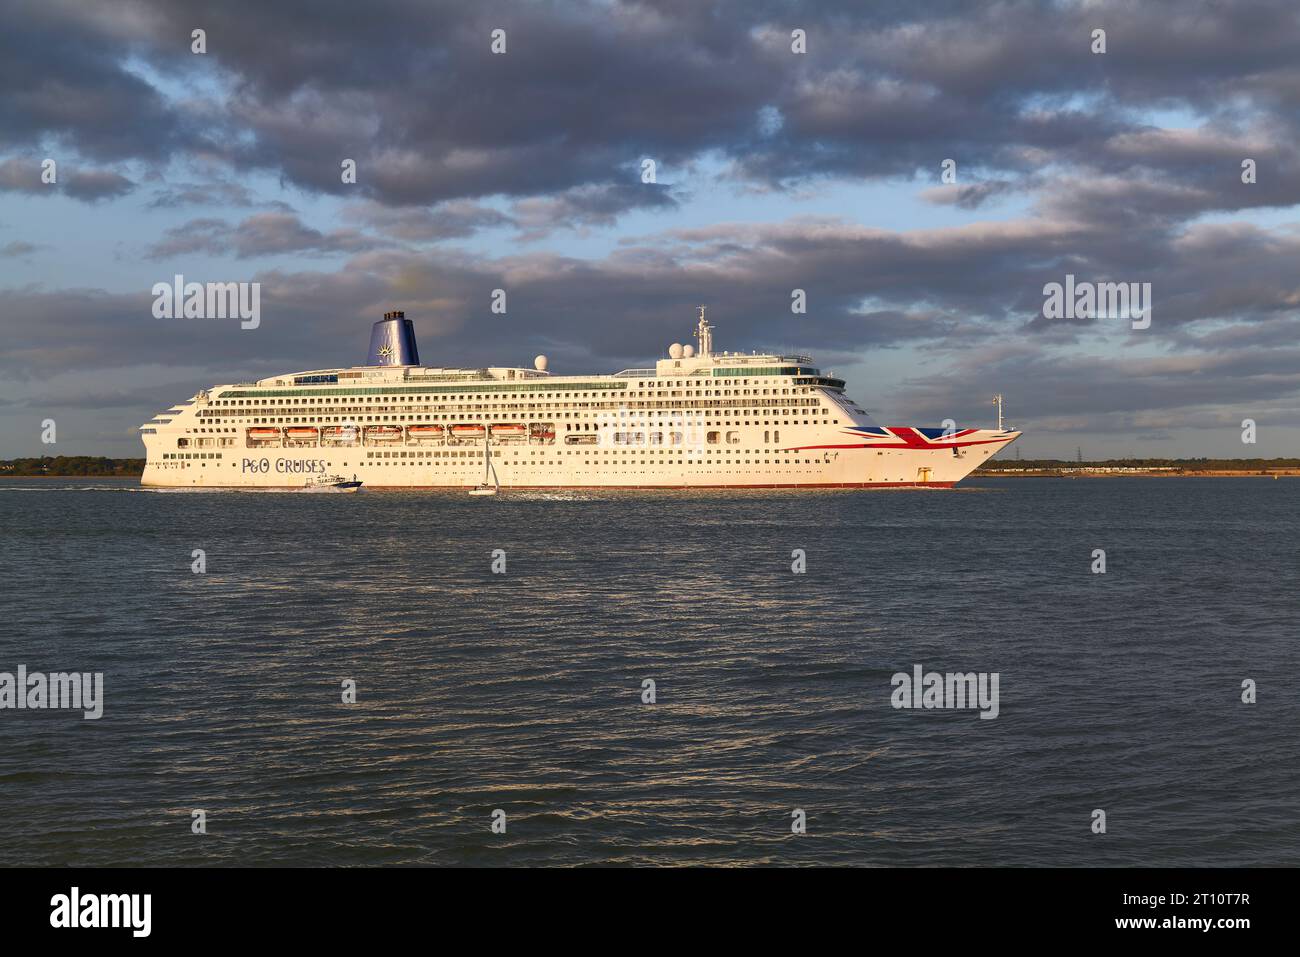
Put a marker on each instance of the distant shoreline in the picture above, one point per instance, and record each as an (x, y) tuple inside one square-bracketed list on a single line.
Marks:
[(103, 467), (70, 475), (71, 466), (1209, 473), (1217, 473)]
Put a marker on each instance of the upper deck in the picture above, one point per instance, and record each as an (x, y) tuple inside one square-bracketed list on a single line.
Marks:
[(682, 363)]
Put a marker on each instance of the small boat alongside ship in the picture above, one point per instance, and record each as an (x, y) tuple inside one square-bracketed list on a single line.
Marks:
[(332, 483)]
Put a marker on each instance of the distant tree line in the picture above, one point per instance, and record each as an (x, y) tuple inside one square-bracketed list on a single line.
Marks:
[(72, 465), (100, 465), (1188, 465)]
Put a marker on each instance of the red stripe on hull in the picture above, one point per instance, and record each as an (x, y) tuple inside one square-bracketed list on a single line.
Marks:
[(534, 488), (671, 488), (901, 445)]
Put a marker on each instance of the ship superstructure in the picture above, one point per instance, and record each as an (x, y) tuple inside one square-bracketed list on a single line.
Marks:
[(698, 419)]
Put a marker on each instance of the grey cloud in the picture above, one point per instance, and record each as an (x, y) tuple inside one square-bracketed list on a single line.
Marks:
[(452, 141), (214, 193), (557, 125), (970, 195), (23, 175), (262, 234), (451, 220), (64, 77), (1095, 395), (865, 287), (585, 206), (412, 92), (92, 185)]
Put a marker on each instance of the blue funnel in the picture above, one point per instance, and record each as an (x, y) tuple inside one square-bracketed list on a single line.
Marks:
[(392, 342)]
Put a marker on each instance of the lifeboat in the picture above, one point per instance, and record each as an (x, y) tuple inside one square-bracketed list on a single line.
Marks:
[(425, 431), (384, 433), (263, 433), (302, 432), (348, 432), (467, 431), (507, 430)]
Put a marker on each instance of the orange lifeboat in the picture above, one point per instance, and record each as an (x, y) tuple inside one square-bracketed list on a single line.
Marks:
[(507, 430), (425, 431), (302, 432), (467, 431)]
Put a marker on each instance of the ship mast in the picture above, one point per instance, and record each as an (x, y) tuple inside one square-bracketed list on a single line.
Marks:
[(704, 333), (997, 400)]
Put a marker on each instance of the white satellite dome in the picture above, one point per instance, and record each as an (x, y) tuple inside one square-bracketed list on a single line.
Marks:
[(675, 350), (688, 351), (540, 363)]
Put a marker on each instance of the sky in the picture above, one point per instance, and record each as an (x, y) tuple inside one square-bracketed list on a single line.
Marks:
[(795, 146)]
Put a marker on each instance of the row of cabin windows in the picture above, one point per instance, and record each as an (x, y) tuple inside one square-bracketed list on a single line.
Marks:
[(505, 414), (757, 418), (675, 438), (559, 397), (477, 456)]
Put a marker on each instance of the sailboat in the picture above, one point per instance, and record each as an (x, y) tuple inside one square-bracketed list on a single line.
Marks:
[(483, 488)]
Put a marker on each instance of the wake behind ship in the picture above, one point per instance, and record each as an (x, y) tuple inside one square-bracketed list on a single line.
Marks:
[(698, 419)]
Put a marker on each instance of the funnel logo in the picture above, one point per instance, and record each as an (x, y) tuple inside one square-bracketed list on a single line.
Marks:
[(392, 341), (214, 300)]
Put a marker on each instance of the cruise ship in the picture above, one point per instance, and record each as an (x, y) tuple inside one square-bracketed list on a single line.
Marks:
[(698, 419)]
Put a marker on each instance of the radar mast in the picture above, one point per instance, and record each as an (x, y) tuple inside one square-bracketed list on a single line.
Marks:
[(704, 333)]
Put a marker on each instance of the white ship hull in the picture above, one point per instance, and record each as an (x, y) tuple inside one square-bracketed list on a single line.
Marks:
[(849, 466), (724, 420)]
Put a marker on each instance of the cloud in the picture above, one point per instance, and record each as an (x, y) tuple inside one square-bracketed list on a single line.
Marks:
[(451, 220), (88, 185), (970, 195), (1123, 167), (91, 185), (587, 89), (865, 287), (18, 175), (587, 206), (1095, 394), (65, 80), (262, 234), (213, 193)]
